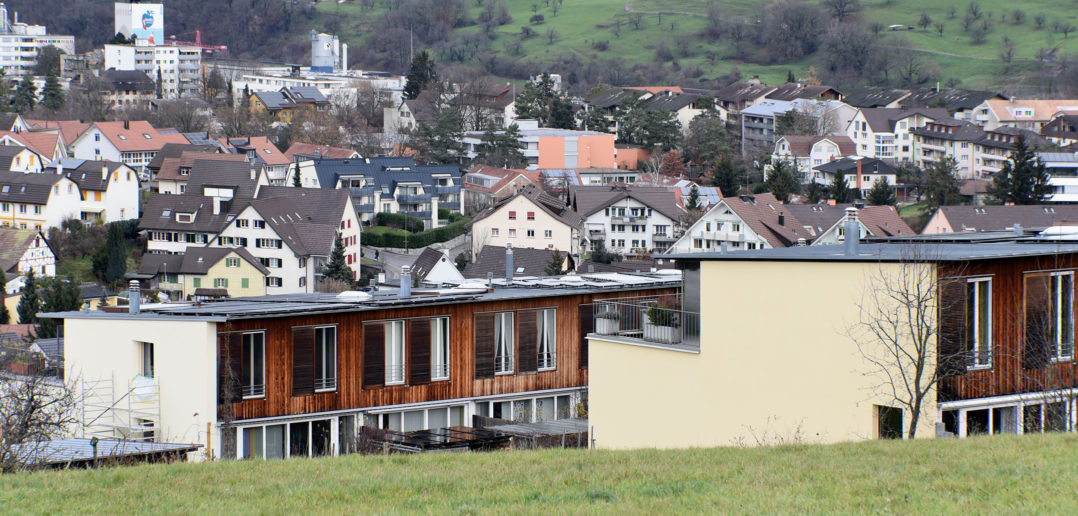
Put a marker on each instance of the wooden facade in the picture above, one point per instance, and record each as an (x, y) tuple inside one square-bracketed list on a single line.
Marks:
[(1018, 361), (360, 361)]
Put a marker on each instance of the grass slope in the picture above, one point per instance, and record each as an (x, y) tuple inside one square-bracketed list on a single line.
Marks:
[(580, 23), (990, 475)]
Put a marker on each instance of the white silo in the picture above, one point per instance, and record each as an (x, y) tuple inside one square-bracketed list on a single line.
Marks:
[(324, 52)]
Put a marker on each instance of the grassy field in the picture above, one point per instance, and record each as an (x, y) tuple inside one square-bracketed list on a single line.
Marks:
[(1035, 474), (580, 23)]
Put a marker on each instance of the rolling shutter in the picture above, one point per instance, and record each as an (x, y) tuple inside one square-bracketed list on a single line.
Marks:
[(229, 368), (419, 351), (952, 327), (302, 361), (528, 341), (1038, 340), (374, 354), (587, 324), (484, 346)]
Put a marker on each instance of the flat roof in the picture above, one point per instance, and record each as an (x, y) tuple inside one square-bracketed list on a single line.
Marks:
[(523, 287), (891, 252)]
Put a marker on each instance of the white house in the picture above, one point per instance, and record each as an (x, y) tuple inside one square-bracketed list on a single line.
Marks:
[(743, 222), (109, 190), (436, 268), (1020, 114), (861, 174), (178, 66), (628, 219), (806, 152), (20, 159), (135, 143), (37, 201), (22, 251), (885, 133), (531, 219)]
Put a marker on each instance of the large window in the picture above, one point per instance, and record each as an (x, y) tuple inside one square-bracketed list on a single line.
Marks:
[(548, 331), (503, 343), (394, 352), (1049, 313), (439, 353), (254, 365), (325, 358), (979, 322)]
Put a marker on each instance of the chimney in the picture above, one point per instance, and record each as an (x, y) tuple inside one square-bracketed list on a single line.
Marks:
[(127, 125), (1018, 229), (434, 211), (134, 295), (254, 174), (801, 242), (852, 230), (216, 205), (59, 168), (490, 281), (508, 263), (406, 281), (782, 219), (859, 177), (104, 172)]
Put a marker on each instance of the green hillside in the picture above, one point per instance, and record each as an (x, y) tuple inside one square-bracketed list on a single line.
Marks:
[(1034, 474), (589, 29)]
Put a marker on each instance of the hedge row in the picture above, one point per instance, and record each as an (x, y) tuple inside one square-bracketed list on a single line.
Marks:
[(399, 221), (416, 240)]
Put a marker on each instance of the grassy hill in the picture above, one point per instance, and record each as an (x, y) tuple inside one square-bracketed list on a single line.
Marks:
[(581, 23), (990, 475)]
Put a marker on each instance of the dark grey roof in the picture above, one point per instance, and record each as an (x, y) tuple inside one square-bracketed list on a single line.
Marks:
[(217, 173), (7, 155), (950, 99), (883, 120), (159, 213), (92, 291), (848, 166), (586, 200), (64, 451), (26, 188), (872, 97), (52, 348), (549, 204), (303, 236), (999, 218), (950, 129), (88, 174), (128, 80), (174, 150), (793, 91), (274, 100), (890, 252), (305, 94), (613, 97), (664, 101), (317, 205), (526, 262), (7, 121), (154, 264), (13, 245), (742, 91), (425, 262), (382, 171)]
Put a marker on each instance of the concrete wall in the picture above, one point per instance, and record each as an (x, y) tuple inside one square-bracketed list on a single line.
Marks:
[(596, 151), (185, 365), (775, 365)]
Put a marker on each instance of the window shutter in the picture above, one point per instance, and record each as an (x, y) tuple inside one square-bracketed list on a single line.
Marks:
[(374, 354), (484, 346), (587, 324), (419, 351), (528, 341), (302, 361), (229, 364), (952, 327), (1037, 337)]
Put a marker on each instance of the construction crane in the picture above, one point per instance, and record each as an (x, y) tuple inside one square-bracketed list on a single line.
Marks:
[(206, 49)]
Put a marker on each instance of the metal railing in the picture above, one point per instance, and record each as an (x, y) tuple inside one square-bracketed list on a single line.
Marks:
[(325, 384), (394, 373), (440, 371), (654, 320), (254, 391), (547, 360)]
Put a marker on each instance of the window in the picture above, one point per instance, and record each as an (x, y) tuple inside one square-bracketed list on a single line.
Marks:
[(220, 283), (512, 233), (232, 262), (512, 215), (493, 231), (254, 365), (531, 233), (197, 282), (548, 329), (548, 233), (439, 353), (146, 359), (241, 223), (1049, 312), (979, 322), (503, 343), (394, 352), (260, 224), (272, 281), (325, 358), (531, 215), (245, 283)]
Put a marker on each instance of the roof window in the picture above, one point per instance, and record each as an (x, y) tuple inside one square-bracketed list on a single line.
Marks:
[(122, 137), (147, 136)]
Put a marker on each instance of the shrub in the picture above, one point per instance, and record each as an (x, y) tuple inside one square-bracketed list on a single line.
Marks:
[(660, 316), (399, 221)]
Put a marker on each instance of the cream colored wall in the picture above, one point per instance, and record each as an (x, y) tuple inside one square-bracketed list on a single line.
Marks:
[(776, 365), (185, 365), (561, 236), (256, 281), (937, 224)]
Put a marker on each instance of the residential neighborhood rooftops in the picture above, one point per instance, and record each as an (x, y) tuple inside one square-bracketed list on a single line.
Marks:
[(1001, 217), (89, 174), (883, 120), (551, 205), (1021, 110), (587, 200), (45, 144), (802, 145), (69, 130), (195, 260), (873, 97), (742, 91), (136, 135), (312, 151), (26, 188), (526, 262), (880, 221), (890, 252), (274, 100), (767, 218), (793, 90)]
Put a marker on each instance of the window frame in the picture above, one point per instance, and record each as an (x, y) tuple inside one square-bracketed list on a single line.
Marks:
[(440, 349), (547, 340), (974, 323), (250, 388), (1056, 303), (396, 352), (504, 348), (146, 359), (320, 355)]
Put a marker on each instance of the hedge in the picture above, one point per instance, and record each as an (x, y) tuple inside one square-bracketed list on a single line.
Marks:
[(399, 221), (415, 240)]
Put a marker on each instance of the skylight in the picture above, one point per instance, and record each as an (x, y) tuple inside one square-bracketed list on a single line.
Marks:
[(122, 137)]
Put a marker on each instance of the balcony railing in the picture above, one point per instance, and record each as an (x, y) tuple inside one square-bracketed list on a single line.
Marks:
[(395, 373), (547, 360), (443, 190), (325, 384), (413, 199), (451, 206), (655, 320), (254, 391)]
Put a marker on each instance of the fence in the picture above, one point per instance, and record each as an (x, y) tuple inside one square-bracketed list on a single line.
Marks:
[(656, 319)]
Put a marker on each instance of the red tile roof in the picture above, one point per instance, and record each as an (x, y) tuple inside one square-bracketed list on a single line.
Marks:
[(137, 135), (310, 149), (41, 143), (265, 149), (68, 129)]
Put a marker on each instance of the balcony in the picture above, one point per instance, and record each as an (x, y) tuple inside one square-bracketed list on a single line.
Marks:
[(654, 320), (451, 206), (413, 199), (357, 192), (445, 190), (365, 208)]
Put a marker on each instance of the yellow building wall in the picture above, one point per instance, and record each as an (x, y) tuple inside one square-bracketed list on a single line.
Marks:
[(256, 284), (776, 365)]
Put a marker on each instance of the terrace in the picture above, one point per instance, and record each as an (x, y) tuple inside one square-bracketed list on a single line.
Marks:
[(651, 320)]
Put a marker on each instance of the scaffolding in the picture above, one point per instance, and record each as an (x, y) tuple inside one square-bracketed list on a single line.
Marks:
[(129, 411)]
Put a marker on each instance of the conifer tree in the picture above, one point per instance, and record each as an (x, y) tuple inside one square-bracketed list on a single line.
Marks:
[(29, 303), (554, 268), (420, 76), (337, 268), (52, 96), (25, 95), (881, 194), (116, 254), (840, 189), (1023, 178)]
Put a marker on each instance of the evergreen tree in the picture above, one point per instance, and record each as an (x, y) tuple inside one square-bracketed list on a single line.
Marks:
[(781, 181), (297, 181), (420, 75), (5, 317), (816, 192), (60, 296), (442, 142), (1023, 179), (593, 120), (940, 185), (561, 114), (554, 268), (5, 92), (115, 254), (337, 268), (881, 194), (29, 303), (706, 140), (52, 96), (25, 95), (501, 148), (693, 202), (728, 176), (648, 128), (160, 91), (535, 102), (840, 190), (231, 94)]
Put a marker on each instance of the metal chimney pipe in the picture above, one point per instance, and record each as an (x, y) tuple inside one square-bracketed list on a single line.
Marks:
[(508, 262), (134, 297), (852, 229), (406, 281)]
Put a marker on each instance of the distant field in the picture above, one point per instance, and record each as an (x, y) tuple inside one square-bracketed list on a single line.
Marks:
[(580, 23), (1034, 474)]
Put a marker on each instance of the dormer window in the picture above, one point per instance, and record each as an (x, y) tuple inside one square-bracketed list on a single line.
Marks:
[(186, 218), (166, 213)]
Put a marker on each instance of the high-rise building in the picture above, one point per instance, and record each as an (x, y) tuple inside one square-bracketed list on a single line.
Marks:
[(180, 66), (21, 42)]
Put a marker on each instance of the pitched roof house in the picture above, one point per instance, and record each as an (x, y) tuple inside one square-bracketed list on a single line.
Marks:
[(205, 272), (861, 174), (435, 267), (805, 152), (48, 146), (743, 222), (135, 142), (530, 219), (492, 259), (37, 201), (628, 219), (485, 185), (1020, 114), (885, 133), (22, 251), (955, 219), (109, 189)]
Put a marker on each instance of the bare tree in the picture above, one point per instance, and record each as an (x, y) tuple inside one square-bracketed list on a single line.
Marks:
[(34, 408), (184, 115), (896, 333), (841, 9)]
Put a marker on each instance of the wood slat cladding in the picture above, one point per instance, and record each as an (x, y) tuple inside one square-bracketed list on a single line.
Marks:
[(303, 361), (1011, 372), (419, 351), (374, 354), (527, 341), (586, 321), (463, 381)]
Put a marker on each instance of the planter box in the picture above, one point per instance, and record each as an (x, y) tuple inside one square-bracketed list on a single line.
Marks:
[(607, 326), (662, 334)]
